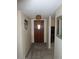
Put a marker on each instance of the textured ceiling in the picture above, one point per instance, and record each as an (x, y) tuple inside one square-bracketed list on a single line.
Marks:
[(31, 8)]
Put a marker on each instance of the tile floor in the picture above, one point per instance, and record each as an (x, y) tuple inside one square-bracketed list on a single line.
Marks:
[(40, 51)]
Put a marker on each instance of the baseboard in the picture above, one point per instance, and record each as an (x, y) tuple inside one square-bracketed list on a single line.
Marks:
[(28, 51)]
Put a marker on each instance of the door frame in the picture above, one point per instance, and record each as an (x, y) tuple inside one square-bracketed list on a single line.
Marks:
[(49, 32), (45, 30)]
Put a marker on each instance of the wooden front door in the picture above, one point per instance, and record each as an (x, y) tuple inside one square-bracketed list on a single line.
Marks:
[(39, 31)]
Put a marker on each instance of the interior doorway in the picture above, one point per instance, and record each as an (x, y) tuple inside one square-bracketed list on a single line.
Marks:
[(52, 34), (39, 31)]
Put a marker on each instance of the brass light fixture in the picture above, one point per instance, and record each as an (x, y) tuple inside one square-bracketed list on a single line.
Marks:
[(38, 17)]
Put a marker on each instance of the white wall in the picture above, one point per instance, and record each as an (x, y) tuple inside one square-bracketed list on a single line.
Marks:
[(24, 36), (58, 49), (53, 21), (58, 41), (19, 37), (45, 31)]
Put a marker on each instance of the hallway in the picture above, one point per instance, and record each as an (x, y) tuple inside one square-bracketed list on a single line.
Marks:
[(40, 51), (35, 22)]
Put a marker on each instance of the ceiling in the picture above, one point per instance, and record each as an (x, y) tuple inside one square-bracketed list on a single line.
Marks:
[(31, 8)]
